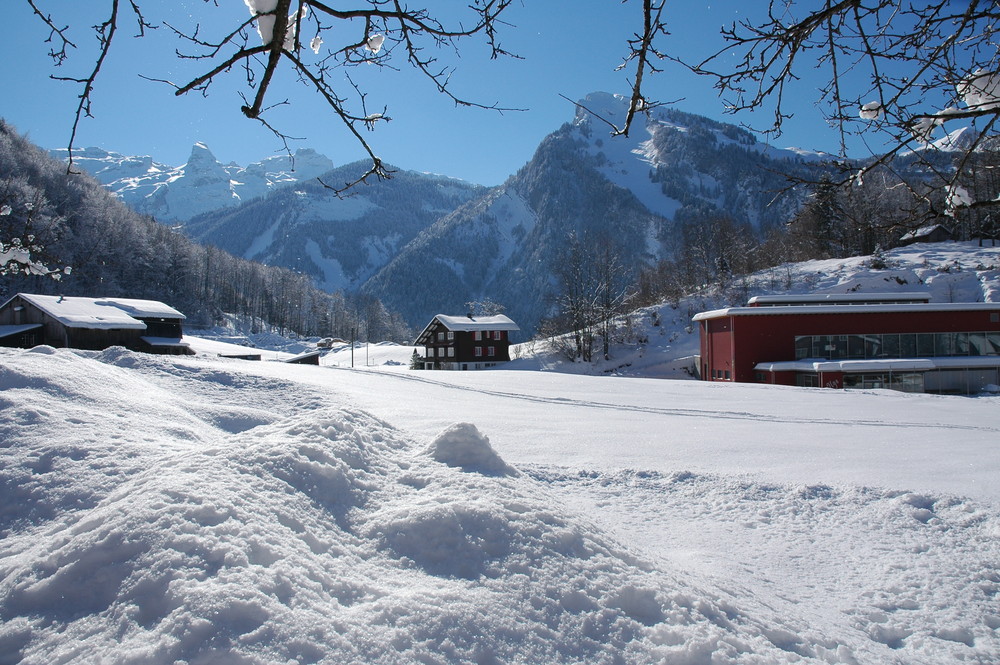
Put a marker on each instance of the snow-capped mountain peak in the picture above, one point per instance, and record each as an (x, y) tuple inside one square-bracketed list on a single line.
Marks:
[(202, 184)]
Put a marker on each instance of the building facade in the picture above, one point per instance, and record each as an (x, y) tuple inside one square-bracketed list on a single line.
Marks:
[(896, 341), (466, 342)]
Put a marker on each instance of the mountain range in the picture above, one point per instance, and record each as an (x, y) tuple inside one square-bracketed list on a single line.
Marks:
[(425, 244), (202, 184)]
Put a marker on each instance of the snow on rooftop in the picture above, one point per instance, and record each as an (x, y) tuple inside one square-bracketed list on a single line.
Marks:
[(101, 313), (470, 323), (917, 296), (841, 309), (145, 309)]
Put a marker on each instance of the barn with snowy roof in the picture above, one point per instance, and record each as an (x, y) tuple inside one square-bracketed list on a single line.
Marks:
[(466, 342), (900, 341), (29, 319)]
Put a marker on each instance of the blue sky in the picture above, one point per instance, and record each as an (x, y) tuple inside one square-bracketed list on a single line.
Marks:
[(569, 47)]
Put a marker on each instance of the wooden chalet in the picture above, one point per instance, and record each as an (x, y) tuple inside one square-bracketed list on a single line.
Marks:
[(28, 320), (930, 233), (466, 342)]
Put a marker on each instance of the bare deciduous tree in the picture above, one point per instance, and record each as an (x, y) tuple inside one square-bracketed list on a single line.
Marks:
[(904, 68)]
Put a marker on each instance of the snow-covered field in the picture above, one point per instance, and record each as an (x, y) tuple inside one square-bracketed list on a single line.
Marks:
[(205, 510), (167, 510)]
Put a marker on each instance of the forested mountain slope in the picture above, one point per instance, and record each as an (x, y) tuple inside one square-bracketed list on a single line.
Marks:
[(338, 239), (114, 251)]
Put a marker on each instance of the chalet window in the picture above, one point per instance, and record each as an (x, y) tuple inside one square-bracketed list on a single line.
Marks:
[(451, 351), (478, 335), (491, 351), (479, 351), (451, 335), (440, 336)]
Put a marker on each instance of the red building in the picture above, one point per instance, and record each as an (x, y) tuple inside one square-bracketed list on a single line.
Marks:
[(898, 341), (466, 342)]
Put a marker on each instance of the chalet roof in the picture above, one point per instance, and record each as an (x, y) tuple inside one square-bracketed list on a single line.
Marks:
[(894, 308), (101, 313), (469, 324), (925, 231)]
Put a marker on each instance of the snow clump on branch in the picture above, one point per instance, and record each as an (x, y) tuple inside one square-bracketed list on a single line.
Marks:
[(374, 43), (980, 91), (958, 197), (263, 10), (871, 111)]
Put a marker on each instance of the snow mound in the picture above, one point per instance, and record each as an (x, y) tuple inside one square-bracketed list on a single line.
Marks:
[(462, 445), (44, 349)]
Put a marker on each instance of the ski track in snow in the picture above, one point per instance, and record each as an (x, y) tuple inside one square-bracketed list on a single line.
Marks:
[(692, 413)]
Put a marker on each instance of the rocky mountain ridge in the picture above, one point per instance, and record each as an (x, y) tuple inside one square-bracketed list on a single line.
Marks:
[(200, 185)]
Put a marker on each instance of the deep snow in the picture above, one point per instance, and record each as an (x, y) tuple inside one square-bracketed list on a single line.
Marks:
[(162, 510), (210, 510)]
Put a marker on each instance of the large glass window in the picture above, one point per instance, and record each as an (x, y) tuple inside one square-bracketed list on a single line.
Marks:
[(897, 345), (992, 344), (890, 346), (962, 344), (821, 346), (944, 344), (925, 344), (907, 345), (907, 382), (807, 380), (855, 347)]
